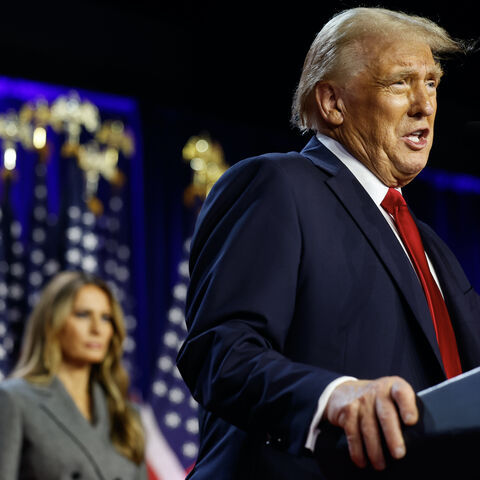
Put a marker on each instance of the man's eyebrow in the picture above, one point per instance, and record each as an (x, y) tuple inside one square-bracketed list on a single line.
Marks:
[(435, 72)]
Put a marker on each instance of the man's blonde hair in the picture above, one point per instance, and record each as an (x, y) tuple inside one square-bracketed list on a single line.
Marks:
[(332, 56)]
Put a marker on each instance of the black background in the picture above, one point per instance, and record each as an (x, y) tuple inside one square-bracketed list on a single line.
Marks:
[(236, 62)]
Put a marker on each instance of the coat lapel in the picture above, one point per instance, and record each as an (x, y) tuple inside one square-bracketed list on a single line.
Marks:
[(379, 234), (90, 438)]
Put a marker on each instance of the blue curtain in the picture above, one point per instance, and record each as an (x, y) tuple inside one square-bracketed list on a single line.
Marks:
[(449, 202)]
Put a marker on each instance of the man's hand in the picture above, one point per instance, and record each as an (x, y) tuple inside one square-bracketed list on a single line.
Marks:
[(365, 408)]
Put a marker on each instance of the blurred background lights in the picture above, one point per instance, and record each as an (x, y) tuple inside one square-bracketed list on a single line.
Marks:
[(39, 138), (197, 164), (201, 145), (10, 158)]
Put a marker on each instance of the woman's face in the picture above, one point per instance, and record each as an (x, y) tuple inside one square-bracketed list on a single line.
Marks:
[(88, 330)]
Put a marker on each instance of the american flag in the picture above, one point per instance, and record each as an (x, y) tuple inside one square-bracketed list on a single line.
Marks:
[(170, 415), (12, 272), (74, 239), (43, 244)]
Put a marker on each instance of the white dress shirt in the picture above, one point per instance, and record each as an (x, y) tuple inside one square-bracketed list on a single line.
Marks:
[(377, 191)]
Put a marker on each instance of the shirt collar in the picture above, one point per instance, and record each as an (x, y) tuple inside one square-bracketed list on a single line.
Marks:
[(370, 182)]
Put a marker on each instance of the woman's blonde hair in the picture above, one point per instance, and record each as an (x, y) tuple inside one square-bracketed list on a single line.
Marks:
[(332, 54), (41, 356)]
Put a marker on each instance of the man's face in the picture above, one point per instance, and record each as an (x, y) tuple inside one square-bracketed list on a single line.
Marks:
[(389, 108)]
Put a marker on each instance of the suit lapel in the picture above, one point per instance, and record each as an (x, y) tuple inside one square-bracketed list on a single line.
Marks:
[(60, 407), (378, 233)]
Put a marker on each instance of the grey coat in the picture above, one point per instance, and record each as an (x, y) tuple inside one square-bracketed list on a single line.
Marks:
[(43, 436)]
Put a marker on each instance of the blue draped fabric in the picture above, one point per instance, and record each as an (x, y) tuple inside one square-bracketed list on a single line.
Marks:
[(450, 202)]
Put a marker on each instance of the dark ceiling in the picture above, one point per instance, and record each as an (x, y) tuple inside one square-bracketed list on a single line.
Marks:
[(239, 61)]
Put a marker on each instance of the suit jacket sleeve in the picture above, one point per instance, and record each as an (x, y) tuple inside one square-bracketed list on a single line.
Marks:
[(245, 259), (10, 436)]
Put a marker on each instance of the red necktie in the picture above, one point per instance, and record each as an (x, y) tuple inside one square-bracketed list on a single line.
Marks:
[(395, 205)]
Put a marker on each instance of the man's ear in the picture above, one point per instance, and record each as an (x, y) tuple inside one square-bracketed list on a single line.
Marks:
[(329, 104)]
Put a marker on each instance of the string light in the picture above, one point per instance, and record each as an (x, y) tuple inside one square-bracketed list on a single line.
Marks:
[(202, 145), (39, 138), (10, 158)]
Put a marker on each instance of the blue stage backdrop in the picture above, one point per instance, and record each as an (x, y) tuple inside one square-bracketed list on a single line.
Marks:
[(71, 198), (450, 202)]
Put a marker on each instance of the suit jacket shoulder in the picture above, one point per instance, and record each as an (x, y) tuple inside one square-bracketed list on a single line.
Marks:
[(268, 178)]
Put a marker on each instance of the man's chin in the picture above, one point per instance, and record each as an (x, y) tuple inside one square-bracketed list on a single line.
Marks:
[(411, 167)]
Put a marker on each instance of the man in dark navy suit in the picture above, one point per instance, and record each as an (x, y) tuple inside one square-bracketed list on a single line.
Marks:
[(306, 304)]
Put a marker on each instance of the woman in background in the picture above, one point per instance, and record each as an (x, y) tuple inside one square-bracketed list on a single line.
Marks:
[(64, 414)]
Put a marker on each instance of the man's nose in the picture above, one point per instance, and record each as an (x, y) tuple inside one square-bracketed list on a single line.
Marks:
[(422, 102)]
